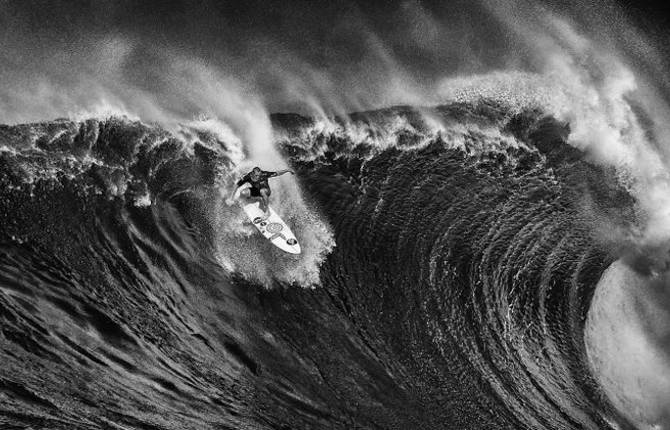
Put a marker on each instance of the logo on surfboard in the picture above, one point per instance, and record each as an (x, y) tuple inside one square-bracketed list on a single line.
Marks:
[(274, 229)]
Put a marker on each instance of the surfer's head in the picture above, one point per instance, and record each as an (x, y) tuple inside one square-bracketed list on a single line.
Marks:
[(256, 172)]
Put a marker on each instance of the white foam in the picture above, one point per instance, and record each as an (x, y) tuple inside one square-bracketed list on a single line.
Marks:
[(626, 340)]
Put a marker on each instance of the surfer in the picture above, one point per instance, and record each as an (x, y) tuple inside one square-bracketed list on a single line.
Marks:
[(259, 189)]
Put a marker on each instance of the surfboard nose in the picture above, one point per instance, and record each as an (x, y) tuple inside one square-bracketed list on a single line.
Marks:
[(293, 246)]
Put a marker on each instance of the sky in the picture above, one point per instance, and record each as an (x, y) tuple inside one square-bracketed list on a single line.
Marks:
[(303, 56), (334, 56)]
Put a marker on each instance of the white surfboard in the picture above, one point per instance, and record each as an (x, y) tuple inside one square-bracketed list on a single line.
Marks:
[(273, 228)]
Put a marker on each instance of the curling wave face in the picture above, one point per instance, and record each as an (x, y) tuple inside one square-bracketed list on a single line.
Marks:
[(465, 261)]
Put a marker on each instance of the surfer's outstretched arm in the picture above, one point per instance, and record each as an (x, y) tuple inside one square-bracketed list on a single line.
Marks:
[(281, 172)]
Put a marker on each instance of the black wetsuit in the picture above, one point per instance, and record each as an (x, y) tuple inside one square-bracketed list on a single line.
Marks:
[(259, 184)]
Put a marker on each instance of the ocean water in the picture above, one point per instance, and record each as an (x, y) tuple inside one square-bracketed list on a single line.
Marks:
[(446, 281)]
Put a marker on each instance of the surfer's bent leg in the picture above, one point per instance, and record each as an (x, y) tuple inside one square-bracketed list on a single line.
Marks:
[(265, 200), (245, 193)]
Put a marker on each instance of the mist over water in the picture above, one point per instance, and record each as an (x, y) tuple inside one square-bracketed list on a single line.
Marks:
[(482, 198)]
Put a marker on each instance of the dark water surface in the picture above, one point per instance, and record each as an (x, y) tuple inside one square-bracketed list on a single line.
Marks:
[(455, 295)]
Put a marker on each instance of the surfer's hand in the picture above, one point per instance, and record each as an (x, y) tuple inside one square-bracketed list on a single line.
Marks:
[(230, 201)]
